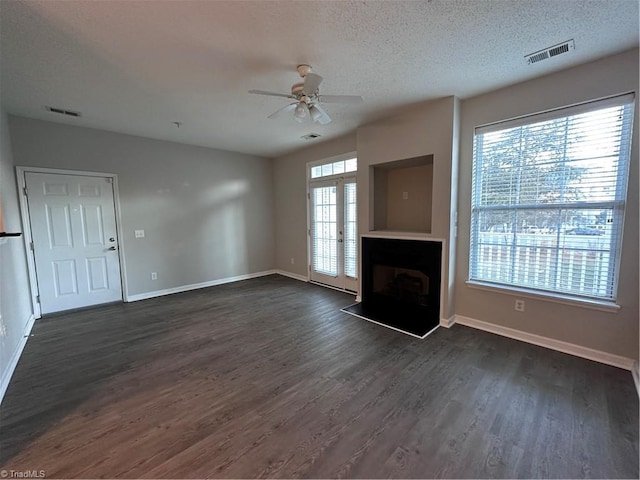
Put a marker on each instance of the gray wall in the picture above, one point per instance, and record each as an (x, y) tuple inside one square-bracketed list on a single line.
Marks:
[(412, 214), (615, 333), (207, 214), (15, 303), (290, 188)]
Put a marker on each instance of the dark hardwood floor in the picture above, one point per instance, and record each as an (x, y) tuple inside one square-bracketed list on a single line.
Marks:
[(267, 378)]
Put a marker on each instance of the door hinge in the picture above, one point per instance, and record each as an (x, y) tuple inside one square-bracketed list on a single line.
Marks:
[(309, 232), (309, 195), (109, 180), (31, 246), (24, 190), (38, 298)]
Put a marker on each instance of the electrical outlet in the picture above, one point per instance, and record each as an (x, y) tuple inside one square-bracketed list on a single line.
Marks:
[(293, 261), (519, 305), (154, 275), (405, 195), (139, 233)]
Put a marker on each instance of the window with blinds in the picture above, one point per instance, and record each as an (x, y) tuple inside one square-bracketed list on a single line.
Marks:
[(548, 199)]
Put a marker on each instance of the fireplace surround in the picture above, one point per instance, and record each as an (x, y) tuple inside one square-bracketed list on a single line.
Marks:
[(401, 281)]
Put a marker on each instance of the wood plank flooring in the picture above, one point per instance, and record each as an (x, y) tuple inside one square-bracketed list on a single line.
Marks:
[(267, 378)]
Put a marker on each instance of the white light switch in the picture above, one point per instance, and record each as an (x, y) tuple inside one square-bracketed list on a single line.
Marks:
[(405, 195), (139, 233)]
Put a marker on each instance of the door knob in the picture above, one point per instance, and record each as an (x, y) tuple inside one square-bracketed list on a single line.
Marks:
[(112, 248), (339, 240), (112, 239)]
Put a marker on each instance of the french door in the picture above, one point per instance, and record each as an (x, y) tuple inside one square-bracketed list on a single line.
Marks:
[(334, 233)]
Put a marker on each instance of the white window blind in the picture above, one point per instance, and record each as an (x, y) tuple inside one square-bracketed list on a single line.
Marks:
[(324, 230), (548, 199), (350, 230)]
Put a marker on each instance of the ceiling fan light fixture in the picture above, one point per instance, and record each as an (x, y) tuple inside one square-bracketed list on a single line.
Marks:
[(302, 111), (315, 113), (308, 101)]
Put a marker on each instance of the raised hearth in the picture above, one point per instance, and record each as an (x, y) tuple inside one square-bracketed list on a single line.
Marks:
[(401, 284)]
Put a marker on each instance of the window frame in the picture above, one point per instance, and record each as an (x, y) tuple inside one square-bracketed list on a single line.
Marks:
[(618, 206), (330, 161)]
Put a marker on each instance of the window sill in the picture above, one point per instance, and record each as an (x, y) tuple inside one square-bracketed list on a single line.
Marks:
[(601, 305)]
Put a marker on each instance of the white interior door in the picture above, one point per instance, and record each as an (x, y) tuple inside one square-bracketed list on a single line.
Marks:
[(334, 233), (75, 242)]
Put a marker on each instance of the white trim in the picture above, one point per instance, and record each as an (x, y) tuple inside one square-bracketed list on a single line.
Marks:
[(120, 236), (15, 358), (601, 305), (333, 159), (447, 322), (338, 289), (295, 276), (26, 238), (553, 344), (62, 171), (196, 286), (635, 373), (566, 111), (390, 327), (26, 225), (402, 236)]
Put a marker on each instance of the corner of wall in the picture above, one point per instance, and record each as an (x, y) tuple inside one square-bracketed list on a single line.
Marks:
[(10, 366), (16, 314)]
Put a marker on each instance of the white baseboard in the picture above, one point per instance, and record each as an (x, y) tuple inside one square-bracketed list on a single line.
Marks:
[(635, 372), (295, 276), (447, 322), (196, 286), (13, 363), (559, 345)]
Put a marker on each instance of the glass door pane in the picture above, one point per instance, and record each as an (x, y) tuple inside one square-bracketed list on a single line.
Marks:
[(324, 229), (350, 230)]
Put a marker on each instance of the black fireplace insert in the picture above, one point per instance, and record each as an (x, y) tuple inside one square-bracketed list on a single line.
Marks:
[(401, 284)]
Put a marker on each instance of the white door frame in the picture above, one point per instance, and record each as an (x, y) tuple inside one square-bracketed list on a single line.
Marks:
[(310, 181), (26, 226)]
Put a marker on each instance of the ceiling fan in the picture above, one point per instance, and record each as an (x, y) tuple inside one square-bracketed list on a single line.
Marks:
[(308, 99)]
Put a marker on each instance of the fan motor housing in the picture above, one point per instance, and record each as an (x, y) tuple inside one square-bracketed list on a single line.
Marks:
[(297, 88)]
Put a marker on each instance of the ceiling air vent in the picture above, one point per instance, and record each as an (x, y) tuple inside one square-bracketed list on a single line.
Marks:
[(554, 51), (62, 111), (310, 136)]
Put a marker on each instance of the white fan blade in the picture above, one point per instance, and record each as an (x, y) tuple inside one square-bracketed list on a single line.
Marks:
[(311, 84), (271, 94), (286, 109), (324, 117), (340, 98)]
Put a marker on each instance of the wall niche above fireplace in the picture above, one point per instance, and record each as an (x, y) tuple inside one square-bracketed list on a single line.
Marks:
[(402, 195)]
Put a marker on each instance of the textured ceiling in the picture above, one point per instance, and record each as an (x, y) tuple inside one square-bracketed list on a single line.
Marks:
[(137, 66)]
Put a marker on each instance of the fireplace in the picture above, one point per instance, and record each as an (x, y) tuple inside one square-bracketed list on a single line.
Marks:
[(401, 284)]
